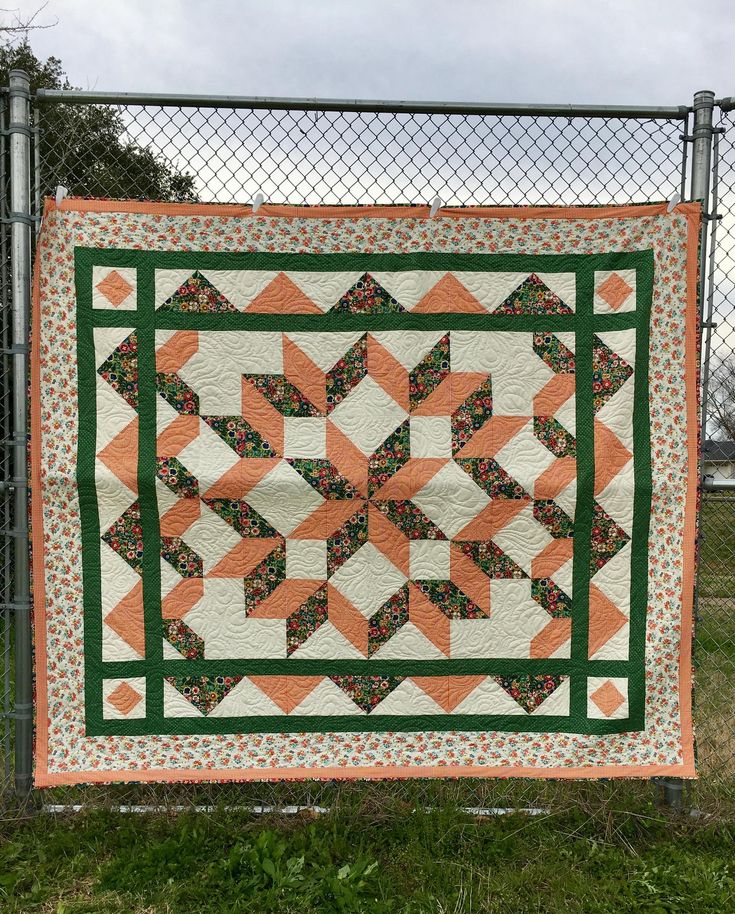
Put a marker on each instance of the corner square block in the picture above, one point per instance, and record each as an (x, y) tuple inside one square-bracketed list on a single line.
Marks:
[(429, 559), (431, 436), (305, 437), (306, 559)]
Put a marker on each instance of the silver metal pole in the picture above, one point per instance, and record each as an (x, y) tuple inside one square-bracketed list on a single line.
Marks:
[(20, 254), (83, 97), (37, 169), (704, 103), (708, 303), (672, 789)]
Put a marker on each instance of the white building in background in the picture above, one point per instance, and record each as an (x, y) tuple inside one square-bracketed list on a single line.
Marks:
[(719, 459)]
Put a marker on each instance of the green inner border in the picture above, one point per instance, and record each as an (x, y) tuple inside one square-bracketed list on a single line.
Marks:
[(146, 320)]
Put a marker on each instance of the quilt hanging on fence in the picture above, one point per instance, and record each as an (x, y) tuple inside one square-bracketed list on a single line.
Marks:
[(355, 492)]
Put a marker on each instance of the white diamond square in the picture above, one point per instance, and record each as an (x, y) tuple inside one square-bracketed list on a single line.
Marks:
[(306, 559), (367, 579), (431, 436), (451, 499), (429, 559), (284, 498), (305, 437), (368, 415)]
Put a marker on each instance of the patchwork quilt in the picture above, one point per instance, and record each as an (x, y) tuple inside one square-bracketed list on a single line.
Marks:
[(356, 492)]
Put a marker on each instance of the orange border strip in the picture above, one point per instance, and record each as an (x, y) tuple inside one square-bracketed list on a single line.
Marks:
[(79, 205), (43, 778)]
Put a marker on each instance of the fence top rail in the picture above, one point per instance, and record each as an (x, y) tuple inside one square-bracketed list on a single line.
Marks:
[(84, 97)]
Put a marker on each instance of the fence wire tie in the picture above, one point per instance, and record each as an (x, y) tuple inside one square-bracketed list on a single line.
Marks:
[(19, 217), (19, 128)]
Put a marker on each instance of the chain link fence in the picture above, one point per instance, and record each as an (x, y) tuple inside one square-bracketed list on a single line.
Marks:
[(391, 153)]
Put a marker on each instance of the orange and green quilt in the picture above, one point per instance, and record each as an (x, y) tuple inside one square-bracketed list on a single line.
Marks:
[(363, 493)]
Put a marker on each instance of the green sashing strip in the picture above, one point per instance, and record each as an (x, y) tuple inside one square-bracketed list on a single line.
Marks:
[(147, 320), (585, 486)]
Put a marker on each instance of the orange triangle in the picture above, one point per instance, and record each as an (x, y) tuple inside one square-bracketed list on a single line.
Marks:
[(348, 620), (388, 372), (285, 599), (448, 691), (177, 350), (493, 517), (174, 438), (282, 296), (450, 394), (470, 579), (286, 691), (554, 394), (605, 620), (348, 458), (551, 558), (428, 619), (262, 415), (126, 619), (180, 517), (611, 455), (120, 456), (449, 296), (556, 477), (240, 478), (551, 638), (386, 537), (410, 479), (493, 435), (177, 602), (299, 369), (240, 561), (328, 517)]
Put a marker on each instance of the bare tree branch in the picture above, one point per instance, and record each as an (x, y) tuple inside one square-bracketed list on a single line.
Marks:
[(18, 27), (721, 399)]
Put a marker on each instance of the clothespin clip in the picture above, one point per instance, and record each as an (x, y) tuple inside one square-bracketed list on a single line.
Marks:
[(673, 202), (257, 202), (61, 192), (435, 205)]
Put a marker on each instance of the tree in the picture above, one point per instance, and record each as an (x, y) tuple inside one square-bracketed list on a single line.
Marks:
[(721, 399), (84, 147)]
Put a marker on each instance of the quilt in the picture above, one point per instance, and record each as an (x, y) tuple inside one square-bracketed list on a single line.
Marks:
[(356, 492)]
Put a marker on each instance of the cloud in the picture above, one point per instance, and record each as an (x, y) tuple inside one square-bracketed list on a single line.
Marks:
[(626, 52)]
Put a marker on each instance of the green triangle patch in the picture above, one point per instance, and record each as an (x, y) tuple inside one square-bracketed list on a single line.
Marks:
[(530, 691), (367, 296), (491, 559), (533, 296), (198, 296), (120, 370), (367, 691)]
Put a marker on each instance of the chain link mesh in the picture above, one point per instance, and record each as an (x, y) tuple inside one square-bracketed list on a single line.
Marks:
[(715, 638), (227, 155)]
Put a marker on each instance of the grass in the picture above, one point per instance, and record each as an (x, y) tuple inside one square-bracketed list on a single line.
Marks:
[(394, 861), (378, 852)]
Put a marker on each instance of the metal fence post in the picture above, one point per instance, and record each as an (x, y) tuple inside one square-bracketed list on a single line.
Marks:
[(20, 253), (672, 789), (704, 103)]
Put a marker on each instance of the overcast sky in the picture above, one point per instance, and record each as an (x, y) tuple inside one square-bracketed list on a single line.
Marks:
[(583, 51)]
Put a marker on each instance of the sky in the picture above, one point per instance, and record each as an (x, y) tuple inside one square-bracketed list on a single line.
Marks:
[(624, 52), (655, 52)]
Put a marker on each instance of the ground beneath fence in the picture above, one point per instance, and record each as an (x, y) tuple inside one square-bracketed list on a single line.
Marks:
[(391, 857)]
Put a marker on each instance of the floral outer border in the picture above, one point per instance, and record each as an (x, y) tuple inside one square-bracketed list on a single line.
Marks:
[(64, 755)]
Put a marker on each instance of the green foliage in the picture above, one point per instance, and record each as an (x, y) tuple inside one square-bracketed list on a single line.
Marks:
[(403, 862), (84, 147)]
